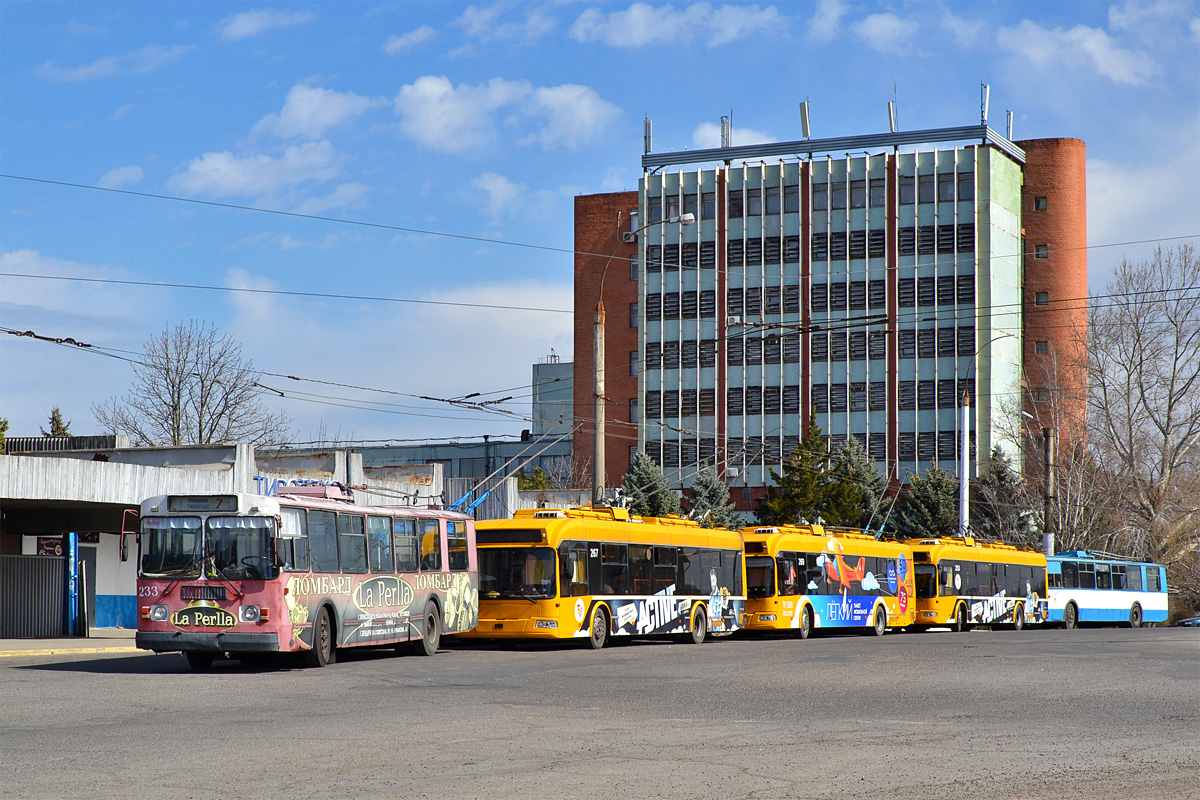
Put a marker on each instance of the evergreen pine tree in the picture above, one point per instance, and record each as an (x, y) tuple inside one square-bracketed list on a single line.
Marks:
[(710, 501), (647, 489), (57, 426), (3, 433), (801, 490), (930, 507), (536, 481), (998, 504), (857, 489)]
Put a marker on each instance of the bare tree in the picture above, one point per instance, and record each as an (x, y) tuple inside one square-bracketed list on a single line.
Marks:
[(192, 386), (1144, 400)]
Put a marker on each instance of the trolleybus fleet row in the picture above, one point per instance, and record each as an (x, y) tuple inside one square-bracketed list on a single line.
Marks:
[(311, 572)]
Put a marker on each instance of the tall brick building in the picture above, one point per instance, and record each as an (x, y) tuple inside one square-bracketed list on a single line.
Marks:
[(869, 280)]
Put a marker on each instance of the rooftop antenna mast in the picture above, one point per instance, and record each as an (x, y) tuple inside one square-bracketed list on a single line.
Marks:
[(985, 92)]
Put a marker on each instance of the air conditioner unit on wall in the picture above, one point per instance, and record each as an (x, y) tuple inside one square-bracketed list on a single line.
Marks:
[(733, 320), (628, 237)]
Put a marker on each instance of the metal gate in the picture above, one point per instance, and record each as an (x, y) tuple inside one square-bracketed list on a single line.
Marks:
[(31, 596)]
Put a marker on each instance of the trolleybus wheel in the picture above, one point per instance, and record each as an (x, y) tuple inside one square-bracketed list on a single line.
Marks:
[(201, 662), (1018, 617), (322, 644), (699, 624), (880, 624), (599, 633), (1070, 617), (1135, 616), (806, 622), (433, 631), (960, 619)]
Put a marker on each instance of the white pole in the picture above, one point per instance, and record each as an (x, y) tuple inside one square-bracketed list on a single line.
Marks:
[(964, 465)]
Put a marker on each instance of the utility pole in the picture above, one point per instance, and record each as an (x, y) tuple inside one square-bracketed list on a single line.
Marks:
[(1048, 491)]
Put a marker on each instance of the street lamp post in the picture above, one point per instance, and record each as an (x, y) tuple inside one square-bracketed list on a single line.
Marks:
[(598, 398), (964, 458)]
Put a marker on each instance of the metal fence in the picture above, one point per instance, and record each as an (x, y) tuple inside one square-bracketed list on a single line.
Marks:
[(500, 504), (31, 596)]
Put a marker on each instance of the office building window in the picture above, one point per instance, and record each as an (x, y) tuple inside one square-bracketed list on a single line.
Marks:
[(947, 442), (966, 186), (772, 197), (906, 292), (1042, 299), (906, 241), (1041, 348), (820, 398), (633, 315), (876, 242), (877, 192), (907, 443), (925, 188), (633, 415), (819, 296), (1040, 204), (633, 363), (945, 187), (1043, 395), (791, 199), (735, 203), (858, 194), (820, 197), (754, 202), (838, 195), (906, 185), (926, 445), (708, 205), (654, 209), (906, 340), (1041, 251), (837, 346)]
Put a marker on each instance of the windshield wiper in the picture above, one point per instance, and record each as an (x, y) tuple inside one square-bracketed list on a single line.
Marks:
[(181, 574)]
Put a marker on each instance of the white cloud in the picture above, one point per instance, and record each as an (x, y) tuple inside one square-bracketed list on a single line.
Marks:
[(1167, 199), (120, 112), (121, 176), (346, 195), (140, 62), (226, 175), (436, 114), (1079, 46), (409, 41), (501, 194), (72, 378), (309, 111), (642, 24), (483, 23), (574, 115), (886, 33), (1133, 14), (252, 23), (708, 135), (453, 119), (965, 32), (823, 26)]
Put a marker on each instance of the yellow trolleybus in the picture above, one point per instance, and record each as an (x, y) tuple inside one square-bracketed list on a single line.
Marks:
[(804, 577), (961, 583), (589, 574)]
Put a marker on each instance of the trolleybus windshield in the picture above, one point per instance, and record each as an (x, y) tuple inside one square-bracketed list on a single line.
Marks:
[(171, 547), (516, 572), (242, 547)]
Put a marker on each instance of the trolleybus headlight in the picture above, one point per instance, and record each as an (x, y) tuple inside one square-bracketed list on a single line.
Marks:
[(250, 613), (158, 613), (545, 623), (766, 617)]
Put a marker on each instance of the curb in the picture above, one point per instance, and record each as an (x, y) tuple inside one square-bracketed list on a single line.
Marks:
[(60, 651)]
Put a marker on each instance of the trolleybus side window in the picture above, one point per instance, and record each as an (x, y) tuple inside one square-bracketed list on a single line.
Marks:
[(293, 546), (1087, 575), (1153, 583), (1118, 576), (1103, 576), (692, 577), (456, 539), (814, 574), (792, 573), (1070, 575), (379, 544), (926, 581), (666, 568), (946, 571), (641, 564), (322, 540), (573, 561), (431, 545), (1133, 578), (615, 560), (352, 542), (404, 533)]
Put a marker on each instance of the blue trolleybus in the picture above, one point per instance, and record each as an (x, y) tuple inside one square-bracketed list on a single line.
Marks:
[(1092, 587)]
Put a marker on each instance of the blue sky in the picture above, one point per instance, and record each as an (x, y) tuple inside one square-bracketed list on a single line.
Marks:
[(482, 121)]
